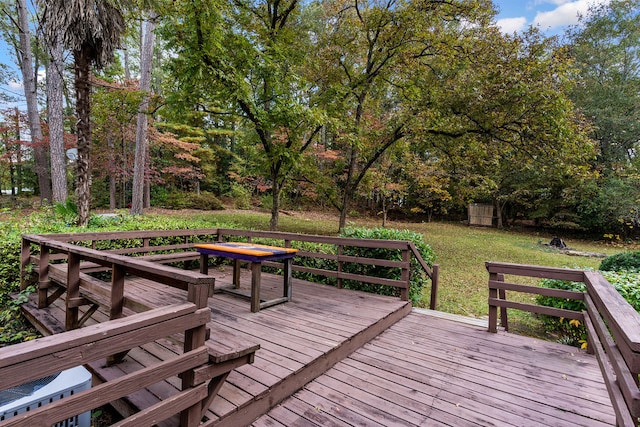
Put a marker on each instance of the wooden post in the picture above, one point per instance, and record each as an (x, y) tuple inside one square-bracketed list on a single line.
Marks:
[(287, 278), (503, 310), (435, 273), (339, 284), (73, 291), (25, 262), (204, 263), (43, 276), (236, 273), (406, 274), (117, 291), (255, 286), (194, 338), (117, 303), (493, 309)]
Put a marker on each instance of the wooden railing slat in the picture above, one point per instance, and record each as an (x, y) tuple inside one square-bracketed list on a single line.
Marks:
[(612, 324), (112, 390), (536, 271), (166, 408), (619, 315), (549, 292), (623, 416), (45, 345), (99, 347), (539, 309)]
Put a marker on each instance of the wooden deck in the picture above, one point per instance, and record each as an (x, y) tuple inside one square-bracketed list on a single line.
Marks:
[(389, 369), (431, 371)]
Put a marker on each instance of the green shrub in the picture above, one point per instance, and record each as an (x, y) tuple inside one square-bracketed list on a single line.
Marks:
[(206, 201), (627, 284), (266, 202), (241, 196), (202, 201), (13, 327), (624, 261), (68, 211), (572, 332), (319, 263), (418, 277), (566, 331)]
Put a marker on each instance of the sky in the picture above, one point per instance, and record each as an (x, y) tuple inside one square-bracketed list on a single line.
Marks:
[(551, 16)]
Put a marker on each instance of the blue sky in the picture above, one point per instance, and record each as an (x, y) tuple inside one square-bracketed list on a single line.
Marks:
[(551, 16)]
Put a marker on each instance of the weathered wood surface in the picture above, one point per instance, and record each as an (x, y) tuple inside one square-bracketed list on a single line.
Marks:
[(431, 371), (613, 326), (299, 340)]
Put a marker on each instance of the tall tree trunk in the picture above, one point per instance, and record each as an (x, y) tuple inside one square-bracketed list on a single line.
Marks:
[(83, 111), (498, 207), (56, 121), (348, 190), (112, 179), (276, 189), (137, 198), (18, 151), (28, 76)]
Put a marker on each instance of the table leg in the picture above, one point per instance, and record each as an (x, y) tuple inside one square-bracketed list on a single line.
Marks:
[(255, 286), (287, 279), (236, 273), (204, 263)]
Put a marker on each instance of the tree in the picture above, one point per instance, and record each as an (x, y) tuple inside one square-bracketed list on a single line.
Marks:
[(92, 31), (243, 59), (428, 183), (55, 112), (13, 147), (499, 114), (139, 183), (359, 62), (25, 56), (606, 49)]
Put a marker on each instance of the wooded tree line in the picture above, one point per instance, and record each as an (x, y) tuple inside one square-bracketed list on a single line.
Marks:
[(420, 106)]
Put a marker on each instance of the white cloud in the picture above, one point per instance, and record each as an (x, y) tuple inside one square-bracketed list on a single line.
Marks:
[(15, 85), (511, 25), (565, 14)]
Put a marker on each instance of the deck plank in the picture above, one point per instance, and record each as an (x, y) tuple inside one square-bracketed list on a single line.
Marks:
[(426, 370), (334, 357)]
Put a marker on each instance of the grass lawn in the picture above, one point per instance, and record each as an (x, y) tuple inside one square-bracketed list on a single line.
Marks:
[(461, 251)]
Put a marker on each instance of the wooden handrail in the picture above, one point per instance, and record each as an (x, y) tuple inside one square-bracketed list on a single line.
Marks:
[(613, 325), (59, 242), (114, 338), (32, 360)]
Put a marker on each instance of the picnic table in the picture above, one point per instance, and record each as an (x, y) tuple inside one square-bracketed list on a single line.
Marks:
[(256, 255)]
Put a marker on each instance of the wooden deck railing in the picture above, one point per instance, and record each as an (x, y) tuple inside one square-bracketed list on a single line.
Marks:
[(113, 339), (613, 325), (153, 246)]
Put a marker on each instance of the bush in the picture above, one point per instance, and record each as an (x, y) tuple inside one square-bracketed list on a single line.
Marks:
[(202, 201), (567, 332), (241, 196), (573, 332), (418, 277), (319, 263), (624, 261), (13, 327), (206, 201)]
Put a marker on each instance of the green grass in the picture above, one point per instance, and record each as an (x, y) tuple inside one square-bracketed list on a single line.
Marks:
[(461, 252)]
